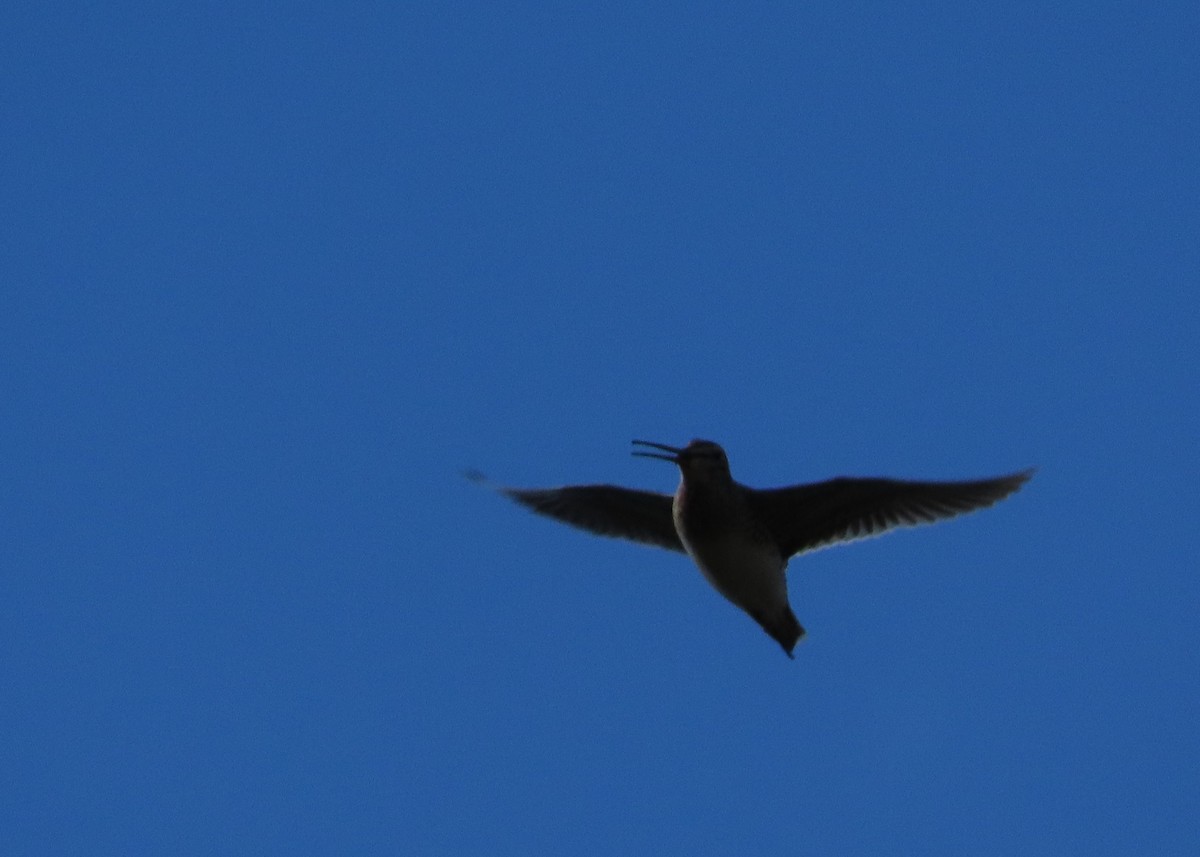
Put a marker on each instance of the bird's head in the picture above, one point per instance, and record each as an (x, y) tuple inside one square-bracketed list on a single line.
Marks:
[(701, 460)]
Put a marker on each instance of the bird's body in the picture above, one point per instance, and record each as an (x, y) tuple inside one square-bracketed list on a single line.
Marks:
[(734, 551), (741, 538)]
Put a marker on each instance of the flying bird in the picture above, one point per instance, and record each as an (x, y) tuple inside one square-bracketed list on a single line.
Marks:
[(741, 538)]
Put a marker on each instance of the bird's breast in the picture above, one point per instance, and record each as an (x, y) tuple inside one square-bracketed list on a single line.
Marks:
[(738, 560), (750, 574)]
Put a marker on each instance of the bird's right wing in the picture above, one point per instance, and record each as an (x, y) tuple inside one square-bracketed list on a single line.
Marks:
[(606, 510)]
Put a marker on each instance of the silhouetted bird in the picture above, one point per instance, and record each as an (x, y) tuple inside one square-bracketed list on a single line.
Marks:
[(741, 538)]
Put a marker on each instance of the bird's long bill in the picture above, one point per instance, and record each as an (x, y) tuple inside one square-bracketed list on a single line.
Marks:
[(674, 450)]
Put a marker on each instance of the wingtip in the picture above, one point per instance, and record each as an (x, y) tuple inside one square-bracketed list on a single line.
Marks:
[(477, 477), (1022, 476)]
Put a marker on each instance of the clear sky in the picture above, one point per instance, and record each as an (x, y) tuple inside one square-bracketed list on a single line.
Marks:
[(275, 274)]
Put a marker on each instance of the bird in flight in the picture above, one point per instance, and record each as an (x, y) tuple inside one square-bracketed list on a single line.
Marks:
[(741, 538)]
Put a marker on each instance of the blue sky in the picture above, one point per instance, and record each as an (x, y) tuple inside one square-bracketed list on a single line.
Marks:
[(275, 274)]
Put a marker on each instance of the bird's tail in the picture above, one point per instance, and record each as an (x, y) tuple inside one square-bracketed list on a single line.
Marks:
[(785, 630)]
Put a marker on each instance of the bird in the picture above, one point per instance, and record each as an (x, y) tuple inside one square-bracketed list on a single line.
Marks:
[(741, 538)]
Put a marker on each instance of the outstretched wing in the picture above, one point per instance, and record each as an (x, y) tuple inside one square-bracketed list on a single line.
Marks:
[(641, 516), (806, 517)]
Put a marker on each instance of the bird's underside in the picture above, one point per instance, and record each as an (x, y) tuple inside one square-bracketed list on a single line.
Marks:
[(718, 521)]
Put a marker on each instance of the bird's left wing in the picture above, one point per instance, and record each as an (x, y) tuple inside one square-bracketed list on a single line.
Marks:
[(806, 517), (606, 510)]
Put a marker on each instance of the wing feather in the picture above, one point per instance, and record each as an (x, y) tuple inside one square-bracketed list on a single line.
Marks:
[(807, 517), (606, 510)]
